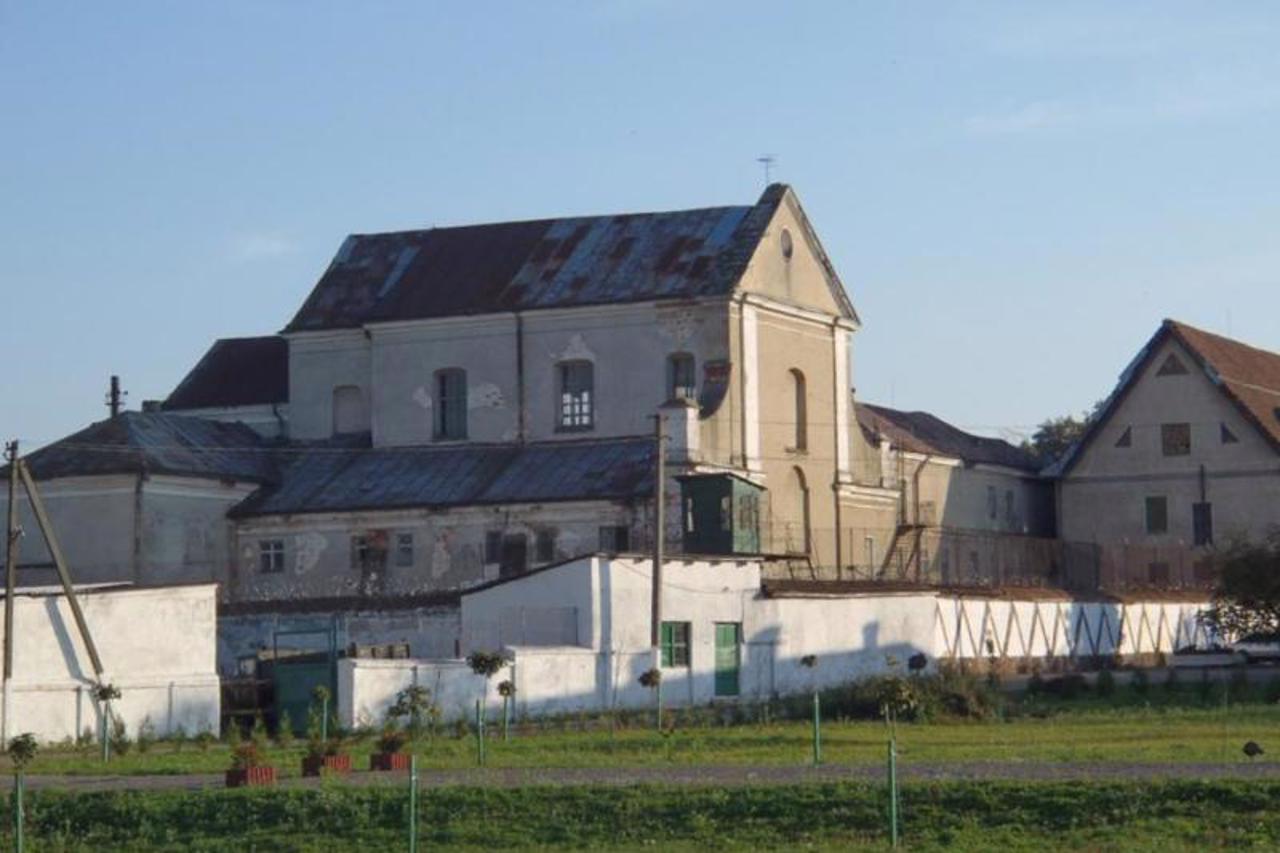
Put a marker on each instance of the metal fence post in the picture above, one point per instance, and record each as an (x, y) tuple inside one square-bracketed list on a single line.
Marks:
[(413, 804), (19, 784), (479, 734), (817, 730), (893, 792), (105, 737)]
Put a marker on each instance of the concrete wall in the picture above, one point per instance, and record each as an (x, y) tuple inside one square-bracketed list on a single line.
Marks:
[(156, 645), (851, 636), (1103, 498), (448, 547)]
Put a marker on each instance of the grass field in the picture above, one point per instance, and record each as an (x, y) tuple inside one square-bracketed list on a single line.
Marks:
[(1137, 734), (963, 816)]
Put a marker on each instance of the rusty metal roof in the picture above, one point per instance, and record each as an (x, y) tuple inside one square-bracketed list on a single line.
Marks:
[(157, 443), (921, 432), (549, 263), (342, 479), (236, 372)]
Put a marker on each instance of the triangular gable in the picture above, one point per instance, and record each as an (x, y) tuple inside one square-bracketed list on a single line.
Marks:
[(1246, 376)]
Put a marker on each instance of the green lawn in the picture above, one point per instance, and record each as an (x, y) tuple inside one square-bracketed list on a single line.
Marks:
[(960, 816), (1127, 734)]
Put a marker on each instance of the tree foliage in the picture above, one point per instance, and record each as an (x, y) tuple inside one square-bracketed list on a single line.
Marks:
[(1054, 436), (1246, 598)]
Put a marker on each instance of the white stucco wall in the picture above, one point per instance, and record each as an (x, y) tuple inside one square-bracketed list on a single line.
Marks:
[(156, 645), (851, 635)]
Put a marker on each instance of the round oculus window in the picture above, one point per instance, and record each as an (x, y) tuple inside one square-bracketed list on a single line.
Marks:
[(787, 248)]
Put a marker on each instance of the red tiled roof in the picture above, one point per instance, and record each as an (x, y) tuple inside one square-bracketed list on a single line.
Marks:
[(1248, 375)]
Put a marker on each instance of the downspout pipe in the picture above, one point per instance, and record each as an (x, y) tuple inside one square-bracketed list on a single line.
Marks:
[(836, 391)]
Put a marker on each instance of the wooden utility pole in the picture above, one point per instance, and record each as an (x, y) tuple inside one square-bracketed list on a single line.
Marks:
[(10, 581), (659, 534)]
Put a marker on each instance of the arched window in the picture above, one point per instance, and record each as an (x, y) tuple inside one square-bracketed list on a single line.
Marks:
[(682, 377), (802, 410), (576, 388), (350, 413), (451, 404)]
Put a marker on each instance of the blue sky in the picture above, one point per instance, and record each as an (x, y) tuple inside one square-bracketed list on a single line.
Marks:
[(1015, 194)]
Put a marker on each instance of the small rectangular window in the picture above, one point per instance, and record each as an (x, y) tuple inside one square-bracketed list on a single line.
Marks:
[(1175, 439), (404, 550), (545, 546), (515, 555), (369, 551), (682, 378), (1010, 515), (1157, 515), (614, 538), (675, 643), (993, 503), (493, 546), (869, 551), (451, 404), (271, 556)]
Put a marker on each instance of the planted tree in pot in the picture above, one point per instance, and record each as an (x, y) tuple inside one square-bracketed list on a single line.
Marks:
[(324, 746), (390, 754), (247, 767)]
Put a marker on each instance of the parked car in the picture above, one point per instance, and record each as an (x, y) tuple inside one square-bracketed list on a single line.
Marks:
[(1258, 647)]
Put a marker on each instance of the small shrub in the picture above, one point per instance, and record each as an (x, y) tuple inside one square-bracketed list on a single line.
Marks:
[(1105, 684), (258, 730), (146, 734), (414, 706), (486, 664), (204, 738), (85, 738), (506, 689), (120, 740), (809, 661), (392, 739), (245, 756), (1140, 682), (284, 731), (22, 750), (650, 678), (178, 737), (235, 736)]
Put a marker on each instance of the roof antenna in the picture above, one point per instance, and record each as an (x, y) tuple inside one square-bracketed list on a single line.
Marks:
[(767, 161), (115, 397)]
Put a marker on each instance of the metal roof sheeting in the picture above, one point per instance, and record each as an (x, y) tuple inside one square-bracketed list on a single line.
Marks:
[(157, 443), (324, 479), (547, 263)]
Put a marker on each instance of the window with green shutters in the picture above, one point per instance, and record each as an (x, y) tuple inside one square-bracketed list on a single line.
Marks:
[(675, 643)]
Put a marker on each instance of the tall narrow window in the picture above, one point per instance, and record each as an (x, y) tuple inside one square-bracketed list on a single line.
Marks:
[(1157, 515), (451, 404), (577, 395), (1202, 523), (682, 380), (802, 410)]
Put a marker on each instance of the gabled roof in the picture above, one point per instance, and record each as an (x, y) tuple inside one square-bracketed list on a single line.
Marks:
[(157, 443), (344, 479), (921, 432), (1249, 377), (236, 372), (547, 263)]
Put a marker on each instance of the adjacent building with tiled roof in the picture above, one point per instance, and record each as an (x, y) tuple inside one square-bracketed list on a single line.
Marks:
[(1184, 454)]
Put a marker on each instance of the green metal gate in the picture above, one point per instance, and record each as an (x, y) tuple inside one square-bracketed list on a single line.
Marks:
[(728, 657), (298, 675)]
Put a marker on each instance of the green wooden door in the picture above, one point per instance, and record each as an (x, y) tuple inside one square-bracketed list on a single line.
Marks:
[(728, 657)]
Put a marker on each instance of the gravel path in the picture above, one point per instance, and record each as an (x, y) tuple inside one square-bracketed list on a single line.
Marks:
[(701, 775)]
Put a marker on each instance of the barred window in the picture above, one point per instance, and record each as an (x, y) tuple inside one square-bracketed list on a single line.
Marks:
[(682, 380)]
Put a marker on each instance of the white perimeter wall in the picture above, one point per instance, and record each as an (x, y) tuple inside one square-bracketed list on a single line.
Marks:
[(157, 645), (852, 636)]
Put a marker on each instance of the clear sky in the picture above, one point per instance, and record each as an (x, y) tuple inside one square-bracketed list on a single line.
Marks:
[(1014, 193)]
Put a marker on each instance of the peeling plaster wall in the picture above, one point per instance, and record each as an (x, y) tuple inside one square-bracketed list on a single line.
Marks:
[(448, 548), (431, 632), (162, 530)]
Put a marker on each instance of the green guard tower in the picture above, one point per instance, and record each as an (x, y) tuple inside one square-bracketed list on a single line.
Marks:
[(720, 514)]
